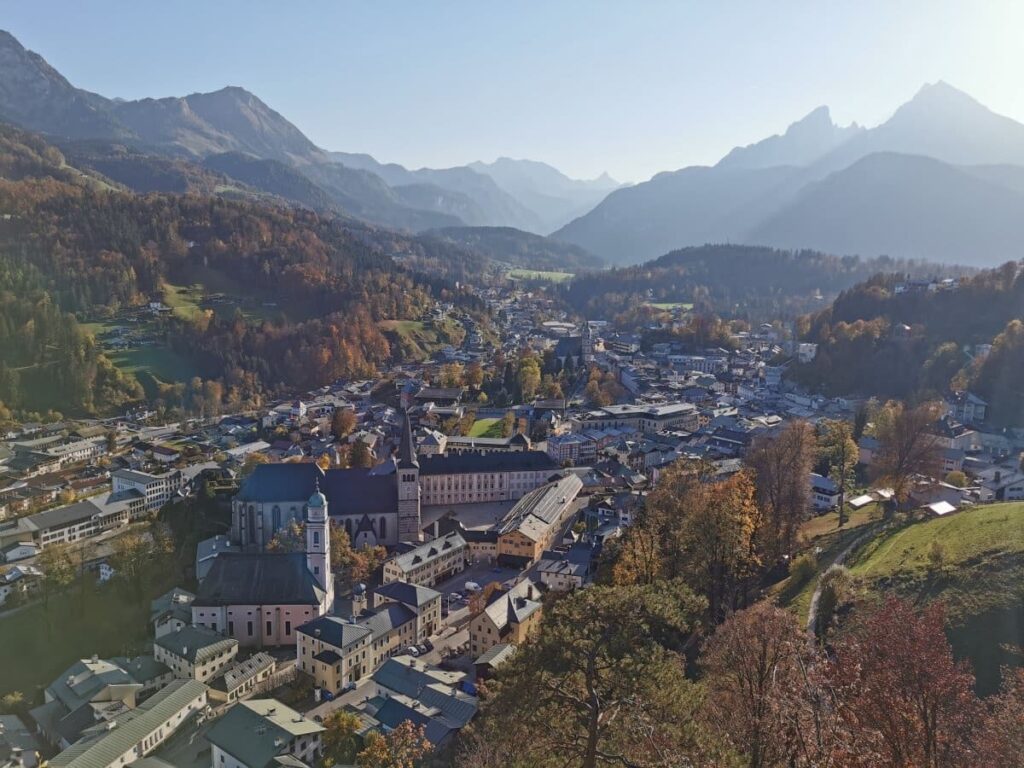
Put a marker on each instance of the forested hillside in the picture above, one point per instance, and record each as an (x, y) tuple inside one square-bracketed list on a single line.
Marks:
[(732, 280), (70, 248), (889, 339)]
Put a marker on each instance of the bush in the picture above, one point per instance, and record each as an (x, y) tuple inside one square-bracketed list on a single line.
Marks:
[(803, 569), (836, 590)]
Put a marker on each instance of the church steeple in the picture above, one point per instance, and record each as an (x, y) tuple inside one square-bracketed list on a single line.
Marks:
[(318, 543), (406, 447)]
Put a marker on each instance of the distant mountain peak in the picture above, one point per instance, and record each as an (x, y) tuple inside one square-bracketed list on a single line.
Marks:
[(804, 141)]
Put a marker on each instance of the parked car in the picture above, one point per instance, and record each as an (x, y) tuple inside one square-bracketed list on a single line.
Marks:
[(472, 586), (412, 650), (349, 686), (428, 645), (422, 648)]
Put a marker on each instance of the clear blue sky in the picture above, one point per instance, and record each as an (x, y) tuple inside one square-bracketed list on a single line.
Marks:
[(628, 87)]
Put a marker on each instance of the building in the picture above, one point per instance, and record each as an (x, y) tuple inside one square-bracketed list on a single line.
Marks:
[(66, 525), (466, 444), (157, 490), (510, 616), (171, 611), (642, 418), (824, 492), (259, 598), (429, 563), (138, 732), (242, 678), (472, 478), (535, 523), (261, 733), (19, 747), (380, 505), (421, 600), (566, 570), (195, 653)]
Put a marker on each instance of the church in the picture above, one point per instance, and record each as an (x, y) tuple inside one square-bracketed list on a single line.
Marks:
[(261, 598), (379, 505)]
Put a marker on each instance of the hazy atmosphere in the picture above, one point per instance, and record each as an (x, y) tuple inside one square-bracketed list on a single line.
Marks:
[(586, 86)]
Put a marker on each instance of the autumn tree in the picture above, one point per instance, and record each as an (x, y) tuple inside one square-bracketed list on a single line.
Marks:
[(768, 692), (529, 377), (1000, 741), (908, 703), (841, 453), (782, 465), (402, 747), (341, 741), (359, 455), (290, 538), (907, 447), (343, 423), (602, 685), (366, 560)]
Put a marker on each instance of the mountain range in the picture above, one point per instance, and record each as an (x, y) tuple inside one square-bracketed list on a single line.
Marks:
[(942, 179), (236, 134)]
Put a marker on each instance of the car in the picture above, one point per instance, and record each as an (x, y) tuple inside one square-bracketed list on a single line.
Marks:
[(428, 645), (412, 650), (472, 586), (349, 686), (422, 648)]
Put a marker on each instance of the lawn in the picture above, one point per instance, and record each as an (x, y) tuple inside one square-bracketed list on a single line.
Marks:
[(184, 299), (536, 274), (980, 579), (486, 428), (829, 522), (159, 361), (108, 620)]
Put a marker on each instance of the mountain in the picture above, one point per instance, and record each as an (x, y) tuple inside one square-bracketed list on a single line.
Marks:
[(906, 205), (554, 197), (803, 142), (519, 249), (941, 179), (273, 176)]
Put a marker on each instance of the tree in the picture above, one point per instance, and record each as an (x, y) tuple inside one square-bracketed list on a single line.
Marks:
[(475, 375), (601, 685), (907, 448), (401, 748), (290, 538), (366, 560), (766, 691), (836, 586), (957, 478), (342, 554), (359, 455), (840, 451), (1001, 741), (341, 740), (529, 377), (908, 703), (782, 465), (58, 570), (12, 703), (343, 423), (132, 556)]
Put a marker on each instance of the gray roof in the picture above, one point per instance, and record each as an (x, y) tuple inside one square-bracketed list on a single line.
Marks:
[(334, 631), (259, 579), (409, 594), (85, 679), (257, 731), (496, 654), (389, 617), (429, 550), (539, 509), (104, 746), (195, 644), (243, 671), (511, 461)]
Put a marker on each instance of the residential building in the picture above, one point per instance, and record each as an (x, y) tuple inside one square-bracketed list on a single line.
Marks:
[(195, 652), (136, 733), (421, 600), (19, 747), (156, 489), (473, 478), (565, 570), (242, 678), (171, 611), (824, 492), (510, 616), (429, 563), (261, 733)]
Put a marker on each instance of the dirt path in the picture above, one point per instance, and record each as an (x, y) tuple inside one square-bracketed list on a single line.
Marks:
[(812, 610)]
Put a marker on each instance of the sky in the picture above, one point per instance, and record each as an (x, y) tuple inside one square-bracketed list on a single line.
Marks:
[(631, 88)]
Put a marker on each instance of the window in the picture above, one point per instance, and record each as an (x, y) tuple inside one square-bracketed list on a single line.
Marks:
[(270, 628), (287, 628), (231, 627), (249, 628), (316, 538)]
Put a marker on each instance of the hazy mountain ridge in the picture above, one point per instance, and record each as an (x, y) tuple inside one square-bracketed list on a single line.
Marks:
[(232, 123), (519, 248), (843, 190)]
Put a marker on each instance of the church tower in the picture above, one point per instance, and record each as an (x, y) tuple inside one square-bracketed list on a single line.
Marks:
[(587, 342), (318, 544), (408, 471)]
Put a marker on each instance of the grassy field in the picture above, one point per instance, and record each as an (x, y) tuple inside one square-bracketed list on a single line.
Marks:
[(184, 300), (418, 340), (535, 274), (980, 579), (162, 362), (486, 428)]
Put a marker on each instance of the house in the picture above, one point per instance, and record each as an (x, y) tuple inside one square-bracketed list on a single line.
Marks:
[(195, 652), (824, 492), (429, 563), (21, 580), (536, 521), (511, 616), (19, 550), (492, 659), (565, 570), (19, 747), (421, 600), (967, 407), (242, 678), (137, 732), (261, 733), (171, 611)]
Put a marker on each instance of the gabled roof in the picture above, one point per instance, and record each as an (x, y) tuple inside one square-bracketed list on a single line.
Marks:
[(259, 579), (257, 731), (511, 461), (334, 630), (195, 644), (408, 594)]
